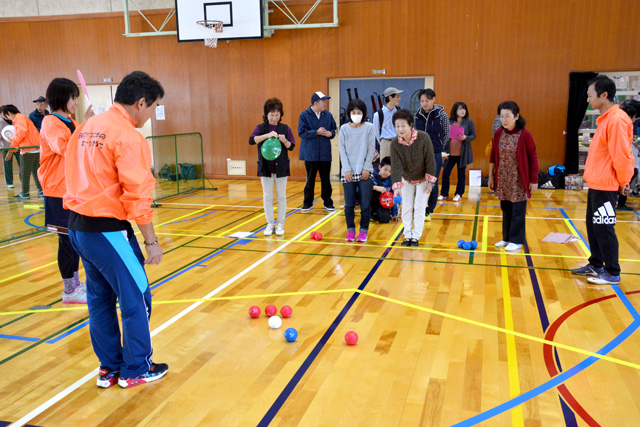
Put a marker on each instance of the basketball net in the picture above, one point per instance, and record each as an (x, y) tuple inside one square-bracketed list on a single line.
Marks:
[(210, 31)]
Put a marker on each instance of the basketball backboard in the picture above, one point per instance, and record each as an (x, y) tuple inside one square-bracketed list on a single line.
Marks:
[(242, 19)]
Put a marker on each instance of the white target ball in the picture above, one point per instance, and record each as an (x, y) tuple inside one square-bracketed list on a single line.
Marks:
[(275, 322)]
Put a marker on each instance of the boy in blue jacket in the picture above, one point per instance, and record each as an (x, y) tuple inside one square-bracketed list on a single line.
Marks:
[(381, 183), (316, 127)]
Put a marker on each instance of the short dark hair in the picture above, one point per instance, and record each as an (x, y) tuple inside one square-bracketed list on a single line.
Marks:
[(9, 108), (430, 93), (604, 84), (59, 92), (360, 105), (385, 161), (271, 105), (388, 98), (631, 107), (513, 107), (454, 111), (403, 114), (138, 85)]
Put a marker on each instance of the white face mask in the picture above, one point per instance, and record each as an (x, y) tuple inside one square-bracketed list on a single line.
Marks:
[(356, 118)]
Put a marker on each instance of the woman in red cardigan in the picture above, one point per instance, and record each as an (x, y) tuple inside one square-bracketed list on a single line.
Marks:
[(515, 163)]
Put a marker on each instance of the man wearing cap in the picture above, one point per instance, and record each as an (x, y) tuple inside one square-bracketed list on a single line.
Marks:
[(38, 114), (316, 127), (385, 131)]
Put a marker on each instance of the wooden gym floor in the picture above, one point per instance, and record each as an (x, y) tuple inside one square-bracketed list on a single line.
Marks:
[(447, 336)]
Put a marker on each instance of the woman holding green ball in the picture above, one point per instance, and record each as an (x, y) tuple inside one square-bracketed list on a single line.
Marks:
[(274, 140)]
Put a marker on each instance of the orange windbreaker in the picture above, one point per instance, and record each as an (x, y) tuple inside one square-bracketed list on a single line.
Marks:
[(610, 160), (108, 169), (54, 138), (26, 134)]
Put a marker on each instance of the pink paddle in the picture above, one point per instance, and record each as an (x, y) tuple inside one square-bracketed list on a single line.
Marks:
[(84, 85)]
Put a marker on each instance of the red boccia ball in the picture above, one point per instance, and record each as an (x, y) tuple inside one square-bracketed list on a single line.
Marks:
[(351, 338), (270, 310), (313, 235), (254, 311), (318, 236), (286, 311)]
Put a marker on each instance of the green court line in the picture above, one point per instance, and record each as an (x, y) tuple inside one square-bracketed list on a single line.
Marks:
[(475, 229)]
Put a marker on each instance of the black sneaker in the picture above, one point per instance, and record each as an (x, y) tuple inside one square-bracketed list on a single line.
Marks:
[(407, 243), (587, 270), (414, 243), (107, 378), (157, 371), (22, 196), (40, 193), (306, 209), (329, 208)]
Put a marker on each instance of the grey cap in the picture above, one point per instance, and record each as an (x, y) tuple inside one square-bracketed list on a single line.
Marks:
[(40, 99), (391, 91)]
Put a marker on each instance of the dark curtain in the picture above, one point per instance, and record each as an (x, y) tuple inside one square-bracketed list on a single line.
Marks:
[(577, 108)]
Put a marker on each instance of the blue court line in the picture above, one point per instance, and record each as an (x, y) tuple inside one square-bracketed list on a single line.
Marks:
[(586, 242), (625, 300), (17, 337), (569, 416), (69, 332), (554, 382), (26, 220), (185, 220), (282, 398)]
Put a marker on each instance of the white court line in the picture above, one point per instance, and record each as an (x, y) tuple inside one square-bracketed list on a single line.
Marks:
[(25, 240), (213, 206), (55, 399)]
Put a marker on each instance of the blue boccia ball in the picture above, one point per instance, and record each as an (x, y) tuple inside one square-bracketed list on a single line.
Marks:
[(397, 200), (461, 243), (290, 334), (466, 246), (474, 244)]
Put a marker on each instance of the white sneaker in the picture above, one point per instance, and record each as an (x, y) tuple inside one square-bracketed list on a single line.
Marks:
[(501, 244), (513, 247), (75, 297), (441, 197), (279, 230), (268, 230), (457, 198), (10, 186)]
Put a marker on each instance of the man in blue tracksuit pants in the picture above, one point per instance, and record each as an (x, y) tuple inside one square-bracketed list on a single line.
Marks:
[(109, 182)]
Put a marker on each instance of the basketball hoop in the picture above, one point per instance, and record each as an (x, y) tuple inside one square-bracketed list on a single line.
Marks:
[(210, 31)]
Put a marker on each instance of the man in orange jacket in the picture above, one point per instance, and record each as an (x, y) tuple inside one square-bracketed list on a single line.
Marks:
[(608, 171), (26, 136), (109, 182)]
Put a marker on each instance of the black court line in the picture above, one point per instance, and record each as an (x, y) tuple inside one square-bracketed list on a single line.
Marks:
[(282, 398)]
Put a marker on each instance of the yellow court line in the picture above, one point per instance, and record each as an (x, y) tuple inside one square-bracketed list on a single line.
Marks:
[(28, 271), (394, 236), (334, 215), (186, 215), (380, 297), (243, 223), (485, 233), (580, 242), (517, 416)]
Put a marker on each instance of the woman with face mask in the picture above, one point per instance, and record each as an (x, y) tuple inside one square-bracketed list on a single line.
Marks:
[(357, 145)]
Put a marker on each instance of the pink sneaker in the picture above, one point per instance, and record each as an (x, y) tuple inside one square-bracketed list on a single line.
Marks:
[(351, 236), (362, 237)]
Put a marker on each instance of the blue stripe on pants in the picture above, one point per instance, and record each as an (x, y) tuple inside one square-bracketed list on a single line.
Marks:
[(114, 267)]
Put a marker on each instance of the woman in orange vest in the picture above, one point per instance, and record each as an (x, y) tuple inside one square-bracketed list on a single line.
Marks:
[(56, 129), (26, 136)]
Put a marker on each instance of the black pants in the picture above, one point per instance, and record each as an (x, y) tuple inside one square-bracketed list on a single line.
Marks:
[(383, 215), (622, 200), (325, 183), (68, 258), (433, 197), (601, 220), (8, 167), (514, 221), (446, 173), (29, 165), (365, 187)]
